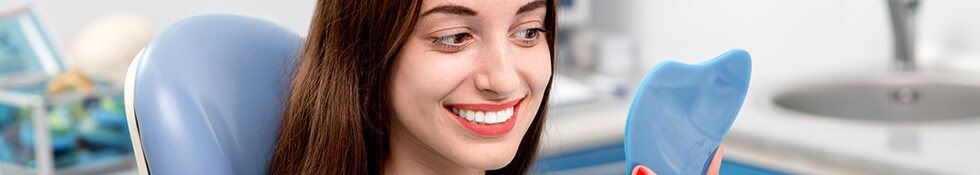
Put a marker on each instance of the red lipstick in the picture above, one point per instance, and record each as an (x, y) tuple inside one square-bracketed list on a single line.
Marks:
[(483, 129)]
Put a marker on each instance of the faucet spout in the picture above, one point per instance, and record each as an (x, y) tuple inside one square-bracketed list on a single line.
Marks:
[(903, 14)]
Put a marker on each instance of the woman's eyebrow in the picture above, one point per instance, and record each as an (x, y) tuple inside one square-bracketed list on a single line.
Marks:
[(451, 9), (532, 6)]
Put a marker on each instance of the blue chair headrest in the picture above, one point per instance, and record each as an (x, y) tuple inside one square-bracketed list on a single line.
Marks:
[(207, 94)]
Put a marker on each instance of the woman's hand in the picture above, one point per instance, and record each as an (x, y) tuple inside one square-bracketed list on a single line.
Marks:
[(712, 169)]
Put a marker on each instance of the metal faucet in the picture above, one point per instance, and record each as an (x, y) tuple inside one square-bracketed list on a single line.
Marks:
[(903, 14)]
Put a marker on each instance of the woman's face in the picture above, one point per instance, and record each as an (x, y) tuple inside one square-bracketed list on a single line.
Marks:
[(469, 81)]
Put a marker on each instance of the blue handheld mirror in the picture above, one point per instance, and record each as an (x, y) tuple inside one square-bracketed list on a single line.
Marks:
[(681, 112)]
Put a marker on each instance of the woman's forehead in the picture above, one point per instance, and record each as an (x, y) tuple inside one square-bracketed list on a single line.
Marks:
[(481, 7)]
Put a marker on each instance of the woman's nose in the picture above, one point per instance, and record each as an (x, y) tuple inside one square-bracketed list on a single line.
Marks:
[(499, 77)]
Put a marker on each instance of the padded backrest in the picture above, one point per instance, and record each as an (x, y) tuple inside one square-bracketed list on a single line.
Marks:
[(208, 92)]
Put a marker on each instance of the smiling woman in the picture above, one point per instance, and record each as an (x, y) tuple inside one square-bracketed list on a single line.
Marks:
[(419, 87)]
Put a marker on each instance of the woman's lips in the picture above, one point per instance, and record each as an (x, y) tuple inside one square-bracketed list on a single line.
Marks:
[(487, 120)]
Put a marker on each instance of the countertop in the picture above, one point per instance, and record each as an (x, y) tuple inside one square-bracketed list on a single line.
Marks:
[(794, 143), (768, 136)]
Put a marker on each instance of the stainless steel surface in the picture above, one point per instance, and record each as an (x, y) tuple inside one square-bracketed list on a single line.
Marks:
[(903, 14), (886, 98)]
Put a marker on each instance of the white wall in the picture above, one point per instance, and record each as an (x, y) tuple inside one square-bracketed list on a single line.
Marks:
[(65, 17), (798, 36)]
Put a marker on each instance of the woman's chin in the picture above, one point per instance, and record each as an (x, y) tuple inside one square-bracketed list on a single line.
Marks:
[(491, 163), (497, 158), (489, 153)]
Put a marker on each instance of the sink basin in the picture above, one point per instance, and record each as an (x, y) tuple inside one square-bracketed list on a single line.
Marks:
[(919, 97)]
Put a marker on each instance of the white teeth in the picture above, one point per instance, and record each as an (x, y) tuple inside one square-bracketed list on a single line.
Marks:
[(500, 116), (491, 117), (485, 117), (480, 117), (470, 115)]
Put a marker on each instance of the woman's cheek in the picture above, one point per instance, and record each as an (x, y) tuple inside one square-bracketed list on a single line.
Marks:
[(539, 70), (437, 75)]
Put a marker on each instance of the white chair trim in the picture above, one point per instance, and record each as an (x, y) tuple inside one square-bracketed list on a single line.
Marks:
[(128, 91)]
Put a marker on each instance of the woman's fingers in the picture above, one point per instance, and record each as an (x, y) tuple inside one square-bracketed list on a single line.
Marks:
[(716, 162), (642, 170), (713, 168)]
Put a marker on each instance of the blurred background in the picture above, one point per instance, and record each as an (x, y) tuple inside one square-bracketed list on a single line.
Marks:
[(833, 91)]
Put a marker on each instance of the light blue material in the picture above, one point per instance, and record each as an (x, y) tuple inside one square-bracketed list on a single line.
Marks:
[(7, 114), (209, 92), (16, 54), (589, 159), (109, 112), (90, 131), (681, 113), (6, 153), (59, 143), (24, 44)]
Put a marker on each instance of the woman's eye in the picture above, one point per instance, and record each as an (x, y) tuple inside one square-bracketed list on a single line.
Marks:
[(452, 43), (528, 37)]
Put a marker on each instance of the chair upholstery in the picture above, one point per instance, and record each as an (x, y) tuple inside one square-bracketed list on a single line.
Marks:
[(207, 93)]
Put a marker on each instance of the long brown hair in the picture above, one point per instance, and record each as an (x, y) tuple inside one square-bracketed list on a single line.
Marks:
[(331, 123)]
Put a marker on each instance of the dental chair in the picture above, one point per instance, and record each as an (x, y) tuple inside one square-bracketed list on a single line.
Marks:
[(206, 95)]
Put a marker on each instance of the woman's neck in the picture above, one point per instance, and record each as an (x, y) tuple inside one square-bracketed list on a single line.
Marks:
[(410, 156)]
